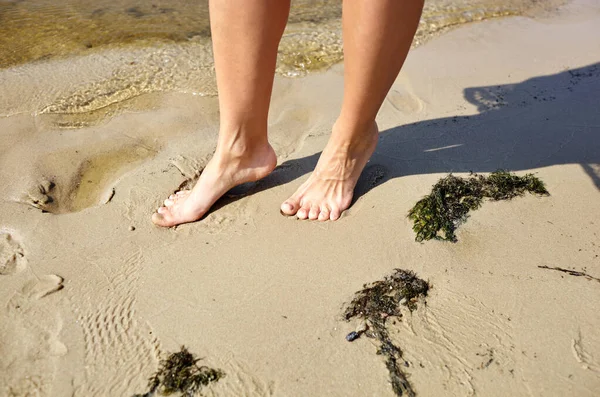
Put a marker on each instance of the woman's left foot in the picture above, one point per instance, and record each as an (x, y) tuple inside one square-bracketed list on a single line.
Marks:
[(329, 190), (229, 167)]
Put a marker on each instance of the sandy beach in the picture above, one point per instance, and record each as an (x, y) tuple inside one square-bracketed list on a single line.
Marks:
[(93, 295)]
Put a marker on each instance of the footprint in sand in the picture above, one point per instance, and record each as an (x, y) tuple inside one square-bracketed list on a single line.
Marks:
[(404, 101), (12, 256), (30, 326), (83, 182), (40, 196), (44, 286)]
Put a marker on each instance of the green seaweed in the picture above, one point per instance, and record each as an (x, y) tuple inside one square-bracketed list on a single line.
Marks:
[(438, 215), (379, 301), (180, 372)]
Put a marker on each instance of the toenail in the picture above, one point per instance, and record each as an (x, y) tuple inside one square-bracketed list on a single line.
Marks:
[(283, 213), (157, 218)]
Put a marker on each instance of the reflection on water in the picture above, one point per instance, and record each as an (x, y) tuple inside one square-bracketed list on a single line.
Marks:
[(164, 45)]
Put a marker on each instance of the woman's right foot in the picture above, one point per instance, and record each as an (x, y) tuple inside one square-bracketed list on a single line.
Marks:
[(228, 168), (329, 190)]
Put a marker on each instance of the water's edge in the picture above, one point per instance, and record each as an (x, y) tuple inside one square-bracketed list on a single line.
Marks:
[(126, 48)]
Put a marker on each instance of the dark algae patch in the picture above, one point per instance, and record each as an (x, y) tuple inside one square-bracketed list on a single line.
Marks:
[(374, 305), (438, 215), (180, 373)]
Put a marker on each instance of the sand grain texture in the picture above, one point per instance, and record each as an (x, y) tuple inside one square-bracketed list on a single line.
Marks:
[(92, 294)]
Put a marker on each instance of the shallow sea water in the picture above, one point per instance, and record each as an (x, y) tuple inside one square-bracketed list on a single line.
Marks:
[(164, 45)]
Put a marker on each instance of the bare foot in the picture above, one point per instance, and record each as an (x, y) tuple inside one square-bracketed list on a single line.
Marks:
[(329, 190), (224, 171)]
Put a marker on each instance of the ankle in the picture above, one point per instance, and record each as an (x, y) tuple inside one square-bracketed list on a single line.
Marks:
[(354, 137), (241, 142), (353, 125)]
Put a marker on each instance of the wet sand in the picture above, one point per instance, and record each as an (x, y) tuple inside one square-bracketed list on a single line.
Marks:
[(116, 50), (33, 30), (93, 294)]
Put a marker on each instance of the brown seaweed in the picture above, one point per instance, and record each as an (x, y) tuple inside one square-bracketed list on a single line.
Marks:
[(375, 304), (180, 372)]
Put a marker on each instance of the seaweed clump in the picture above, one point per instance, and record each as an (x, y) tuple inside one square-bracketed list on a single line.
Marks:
[(374, 305), (438, 215), (180, 372)]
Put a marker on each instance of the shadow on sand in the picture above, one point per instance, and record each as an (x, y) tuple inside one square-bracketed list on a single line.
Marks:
[(543, 121)]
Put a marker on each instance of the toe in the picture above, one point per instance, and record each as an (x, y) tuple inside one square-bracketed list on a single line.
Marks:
[(174, 198), (290, 207), (161, 218), (324, 214), (158, 219), (335, 214), (314, 212), (302, 213)]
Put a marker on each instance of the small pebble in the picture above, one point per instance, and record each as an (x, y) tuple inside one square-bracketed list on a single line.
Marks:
[(352, 336), (131, 228)]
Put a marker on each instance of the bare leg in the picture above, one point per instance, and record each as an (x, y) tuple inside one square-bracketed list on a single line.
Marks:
[(377, 37), (245, 35)]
